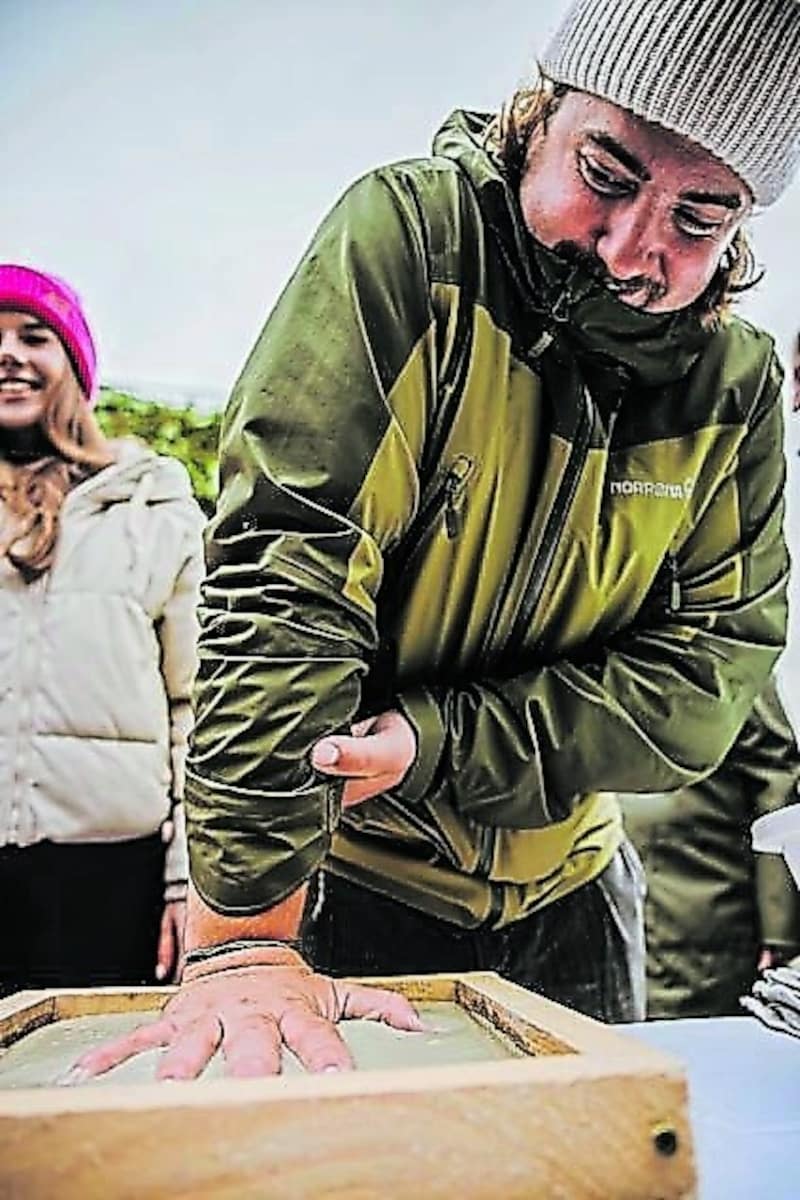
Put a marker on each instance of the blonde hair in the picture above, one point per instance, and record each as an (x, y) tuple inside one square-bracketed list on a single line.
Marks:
[(507, 138), (33, 491)]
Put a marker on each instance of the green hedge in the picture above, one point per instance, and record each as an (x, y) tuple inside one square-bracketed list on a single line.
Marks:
[(185, 433)]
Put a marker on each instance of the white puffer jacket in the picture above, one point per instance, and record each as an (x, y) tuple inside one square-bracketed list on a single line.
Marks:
[(97, 660)]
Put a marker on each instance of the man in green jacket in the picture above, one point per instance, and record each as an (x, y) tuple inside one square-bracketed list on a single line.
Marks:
[(499, 534), (716, 912)]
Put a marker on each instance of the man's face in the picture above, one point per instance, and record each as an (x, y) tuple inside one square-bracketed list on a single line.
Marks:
[(654, 211)]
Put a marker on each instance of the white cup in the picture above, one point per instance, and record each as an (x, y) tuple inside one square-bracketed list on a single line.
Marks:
[(779, 833)]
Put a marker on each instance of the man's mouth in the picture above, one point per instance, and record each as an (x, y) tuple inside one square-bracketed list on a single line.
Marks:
[(638, 291)]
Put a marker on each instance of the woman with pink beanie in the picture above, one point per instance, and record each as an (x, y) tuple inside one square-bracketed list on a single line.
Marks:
[(100, 562)]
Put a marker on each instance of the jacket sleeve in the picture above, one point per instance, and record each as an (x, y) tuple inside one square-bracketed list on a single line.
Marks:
[(177, 634), (657, 707), (319, 453), (768, 764)]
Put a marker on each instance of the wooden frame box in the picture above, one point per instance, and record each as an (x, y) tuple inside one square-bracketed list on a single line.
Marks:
[(582, 1112)]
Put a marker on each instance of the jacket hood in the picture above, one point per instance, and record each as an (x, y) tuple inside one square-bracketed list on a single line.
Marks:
[(571, 304), (136, 470)]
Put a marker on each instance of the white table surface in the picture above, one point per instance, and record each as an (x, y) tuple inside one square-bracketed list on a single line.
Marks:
[(744, 1096)]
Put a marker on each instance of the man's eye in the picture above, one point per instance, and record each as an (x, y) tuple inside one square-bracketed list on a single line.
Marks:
[(603, 180), (695, 226)]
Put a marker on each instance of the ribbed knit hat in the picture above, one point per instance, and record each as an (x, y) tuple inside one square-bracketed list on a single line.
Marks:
[(723, 73), (57, 305)]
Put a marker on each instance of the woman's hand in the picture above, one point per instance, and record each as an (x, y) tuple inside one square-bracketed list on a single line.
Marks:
[(169, 958)]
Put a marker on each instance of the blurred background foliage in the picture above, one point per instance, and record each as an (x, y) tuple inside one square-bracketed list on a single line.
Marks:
[(185, 433)]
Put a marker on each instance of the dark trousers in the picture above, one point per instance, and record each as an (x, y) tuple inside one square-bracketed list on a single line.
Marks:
[(586, 950), (80, 915)]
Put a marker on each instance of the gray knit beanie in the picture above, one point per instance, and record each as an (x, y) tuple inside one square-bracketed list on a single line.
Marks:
[(724, 73)]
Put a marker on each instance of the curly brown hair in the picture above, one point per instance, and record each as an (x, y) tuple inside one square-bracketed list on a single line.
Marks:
[(33, 488), (507, 138)]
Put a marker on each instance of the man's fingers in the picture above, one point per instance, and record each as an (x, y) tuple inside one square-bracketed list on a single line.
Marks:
[(111, 1054), (315, 1041), (252, 1047), (191, 1049), (377, 1004)]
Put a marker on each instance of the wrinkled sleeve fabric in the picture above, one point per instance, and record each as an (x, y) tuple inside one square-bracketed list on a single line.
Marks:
[(319, 453), (660, 705)]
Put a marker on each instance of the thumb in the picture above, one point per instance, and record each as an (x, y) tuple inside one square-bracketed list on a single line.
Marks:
[(325, 753)]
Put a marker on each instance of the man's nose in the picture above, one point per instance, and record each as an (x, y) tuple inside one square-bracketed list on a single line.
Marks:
[(631, 243)]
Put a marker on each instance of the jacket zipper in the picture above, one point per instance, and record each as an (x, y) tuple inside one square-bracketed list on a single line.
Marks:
[(446, 497), (485, 849), (454, 484), (541, 568), (555, 521), (36, 596)]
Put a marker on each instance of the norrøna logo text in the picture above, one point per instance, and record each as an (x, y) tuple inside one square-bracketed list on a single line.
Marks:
[(650, 487)]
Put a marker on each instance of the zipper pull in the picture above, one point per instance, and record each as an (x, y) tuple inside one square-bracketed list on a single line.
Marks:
[(538, 348), (457, 476), (560, 310)]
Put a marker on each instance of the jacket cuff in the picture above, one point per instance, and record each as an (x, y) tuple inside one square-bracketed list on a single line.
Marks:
[(421, 709), (175, 890)]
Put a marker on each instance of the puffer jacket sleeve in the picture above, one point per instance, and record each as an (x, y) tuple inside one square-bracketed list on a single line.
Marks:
[(177, 631), (325, 421), (768, 764), (656, 708)]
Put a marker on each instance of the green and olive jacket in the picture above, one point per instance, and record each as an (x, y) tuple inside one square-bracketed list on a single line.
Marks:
[(461, 478)]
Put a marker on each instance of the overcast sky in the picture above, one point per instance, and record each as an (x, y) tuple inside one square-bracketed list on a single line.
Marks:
[(171, 158)]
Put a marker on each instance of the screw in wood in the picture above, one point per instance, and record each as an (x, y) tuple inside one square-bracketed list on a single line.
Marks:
[(665, 1140)]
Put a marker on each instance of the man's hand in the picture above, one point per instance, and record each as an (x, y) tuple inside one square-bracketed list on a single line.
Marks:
[(250, 1012), (169, 959), (375, 759)]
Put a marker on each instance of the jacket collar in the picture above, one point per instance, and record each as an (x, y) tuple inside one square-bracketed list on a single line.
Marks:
[(575, 312)]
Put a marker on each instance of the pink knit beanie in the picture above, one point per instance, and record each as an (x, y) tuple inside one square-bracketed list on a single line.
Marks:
[(53, 302)]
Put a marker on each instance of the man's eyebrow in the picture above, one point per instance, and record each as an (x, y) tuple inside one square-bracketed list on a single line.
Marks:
[(605, 141), (726, 199), (623, 155)]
